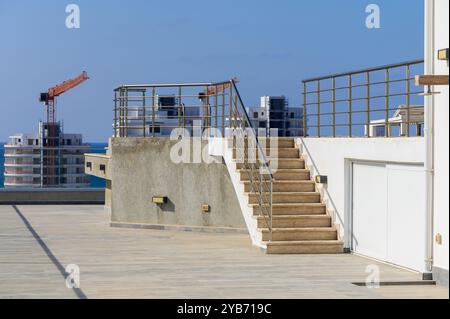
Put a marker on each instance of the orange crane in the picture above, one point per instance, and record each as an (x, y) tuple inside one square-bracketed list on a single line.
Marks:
[(50, 133), (49, 98)]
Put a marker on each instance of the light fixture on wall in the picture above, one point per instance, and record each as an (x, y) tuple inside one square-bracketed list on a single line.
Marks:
[(321, 179), (159, 200), (206, 208), (443, 54)]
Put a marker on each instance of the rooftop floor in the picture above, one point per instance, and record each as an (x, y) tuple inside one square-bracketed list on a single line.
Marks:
[(37, 242)]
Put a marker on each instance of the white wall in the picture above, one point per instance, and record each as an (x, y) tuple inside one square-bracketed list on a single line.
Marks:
[(333, 157), (437, 37)]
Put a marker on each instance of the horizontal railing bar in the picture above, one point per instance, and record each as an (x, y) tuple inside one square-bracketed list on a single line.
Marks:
[(360, 71), (150, 96), (365, 98), (358, 86), (160, 85), (366, 124), (363, 111)]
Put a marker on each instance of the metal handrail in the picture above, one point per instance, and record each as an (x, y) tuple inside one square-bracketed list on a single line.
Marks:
[(262, 185), (138, 110), (352, 104), (361, 71)]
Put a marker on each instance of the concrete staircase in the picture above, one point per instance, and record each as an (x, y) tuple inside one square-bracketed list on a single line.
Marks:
[(300, 222)]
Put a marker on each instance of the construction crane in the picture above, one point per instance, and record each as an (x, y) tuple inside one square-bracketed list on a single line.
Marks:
[(50, 129), (49, 98)]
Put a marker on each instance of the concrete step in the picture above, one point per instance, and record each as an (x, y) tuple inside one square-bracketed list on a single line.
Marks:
[(292, 221), (281, 142), (294, 209), (287, 197), (281, 174), (305, 247), (285, 186), (293, 234), (277, 153), (280, 163)]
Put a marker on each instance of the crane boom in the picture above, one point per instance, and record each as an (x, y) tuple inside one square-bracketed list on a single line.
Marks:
[(66, 85), (48, 98)]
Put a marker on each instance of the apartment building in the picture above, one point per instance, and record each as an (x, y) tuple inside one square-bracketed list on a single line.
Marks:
[(31, 162), (274, 113)]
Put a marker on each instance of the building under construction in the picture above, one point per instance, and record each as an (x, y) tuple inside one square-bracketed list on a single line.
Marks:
[(31, 162), (50, 158)]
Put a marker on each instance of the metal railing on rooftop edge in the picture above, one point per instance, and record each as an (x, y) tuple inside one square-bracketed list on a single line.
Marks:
[(151, 110), (373, 102)]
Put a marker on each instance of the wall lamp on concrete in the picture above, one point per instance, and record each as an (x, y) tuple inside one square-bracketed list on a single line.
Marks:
[(159, 200), (103, 168), (206, 208), (89, 165), (321, 179)]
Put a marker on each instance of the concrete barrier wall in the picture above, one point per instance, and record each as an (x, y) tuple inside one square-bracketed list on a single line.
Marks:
[(142, 168), (52, 196)]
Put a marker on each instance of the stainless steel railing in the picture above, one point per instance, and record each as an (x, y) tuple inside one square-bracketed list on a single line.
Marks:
[(373, 102), (150, 110), (251, 153)]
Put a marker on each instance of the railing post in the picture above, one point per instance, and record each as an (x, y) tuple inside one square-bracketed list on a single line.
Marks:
[(208, 113), (333, 105), (350, 97), (368, 104), (216, 103), (181, 114), (386, 112), (231, 106), (143, 114), (126, 112), (115, 113), (318, 108), (223, 113), (270, 208), (123, 116), (305, 113), (153, 111), (408, 101), (235, 106)]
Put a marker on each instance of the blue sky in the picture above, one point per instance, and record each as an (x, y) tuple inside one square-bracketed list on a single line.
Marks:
[(269, 45)]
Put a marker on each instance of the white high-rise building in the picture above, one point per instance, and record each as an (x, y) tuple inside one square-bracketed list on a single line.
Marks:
[(31, 162), (274, 113)]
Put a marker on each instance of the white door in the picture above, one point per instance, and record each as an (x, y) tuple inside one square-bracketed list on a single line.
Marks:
[(388, 218), (369, 210)]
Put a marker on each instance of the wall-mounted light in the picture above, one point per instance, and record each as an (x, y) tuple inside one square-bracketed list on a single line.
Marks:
[(443, 54), (438, 239), (321, 179), (159, 200), (103, 168), (206, 208), (89, 165)]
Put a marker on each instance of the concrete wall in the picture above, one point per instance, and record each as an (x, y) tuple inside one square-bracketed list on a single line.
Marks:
[(142, 168), (52, 196), (333, 157), (93, 166), (437, 37)]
